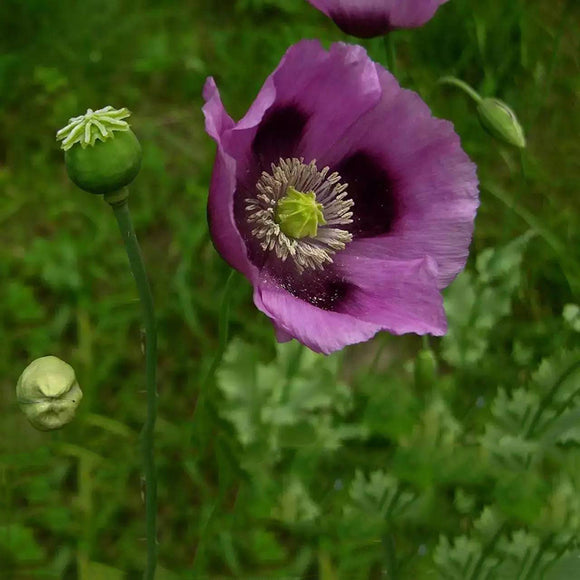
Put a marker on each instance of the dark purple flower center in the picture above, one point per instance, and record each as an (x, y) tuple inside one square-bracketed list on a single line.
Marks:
[(371, 189), (323, 290), (358, 200), (312, 252), (279, 134)]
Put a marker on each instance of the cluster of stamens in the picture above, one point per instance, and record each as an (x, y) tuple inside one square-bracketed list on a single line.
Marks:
[(312, 252)]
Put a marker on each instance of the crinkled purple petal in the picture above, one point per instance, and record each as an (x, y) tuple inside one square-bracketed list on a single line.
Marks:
[(345, 86), (431, 197), (217, 120), (299, 112), (281, 334), (320, 330), (397, 296), (368, 18), (224, 232), (400, 296), (304, 106)]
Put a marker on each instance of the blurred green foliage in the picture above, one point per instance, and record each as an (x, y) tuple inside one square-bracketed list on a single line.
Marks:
[(287, 464)]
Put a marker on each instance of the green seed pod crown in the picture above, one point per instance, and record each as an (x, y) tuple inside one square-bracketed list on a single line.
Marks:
[(102, 154), (48, 393)]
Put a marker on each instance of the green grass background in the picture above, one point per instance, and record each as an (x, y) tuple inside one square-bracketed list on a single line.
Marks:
[(70, 502)]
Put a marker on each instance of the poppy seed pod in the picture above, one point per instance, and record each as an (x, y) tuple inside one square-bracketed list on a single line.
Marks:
[(102, 154), (48, 393)]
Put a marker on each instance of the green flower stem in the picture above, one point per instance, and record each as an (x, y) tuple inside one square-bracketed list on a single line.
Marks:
[(536, 225), (390, 557), (223, 332), (487, 550), (388, 539), (461, 85), (543, 90), (291, 372), (549, 398), (123, 216)]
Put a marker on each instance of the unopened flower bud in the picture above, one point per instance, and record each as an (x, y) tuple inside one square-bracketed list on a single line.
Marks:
[(102, 154), (425, 369), (494, 115), (501, 122), (48, 393)]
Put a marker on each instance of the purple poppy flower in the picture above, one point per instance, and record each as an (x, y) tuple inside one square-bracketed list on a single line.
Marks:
[(368, 18), (341, 199)]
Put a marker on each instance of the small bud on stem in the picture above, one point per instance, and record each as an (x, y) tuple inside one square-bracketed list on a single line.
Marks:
[(501, 122), (495, 116)]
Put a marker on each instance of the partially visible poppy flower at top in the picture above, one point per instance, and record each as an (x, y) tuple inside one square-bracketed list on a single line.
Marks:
[(341, 199), (368, 18)]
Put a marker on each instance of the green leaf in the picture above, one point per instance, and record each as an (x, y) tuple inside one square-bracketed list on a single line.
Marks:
[(474, 305), (457, 560), (380, 494), (558, 377), (295, 504), (18, 544), (489, 522), (98, 571), (566, 568), (293, 401), (515, 412)]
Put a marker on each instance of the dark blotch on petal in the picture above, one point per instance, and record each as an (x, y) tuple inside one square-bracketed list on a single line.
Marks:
[(325, 290), (362, 25), (326, 295), (279, 134), (372, 190)]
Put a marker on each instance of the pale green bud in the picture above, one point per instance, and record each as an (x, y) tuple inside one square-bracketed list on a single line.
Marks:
[(48, 393), (501, 122), (494, 115), (102, 154), (299, 214)]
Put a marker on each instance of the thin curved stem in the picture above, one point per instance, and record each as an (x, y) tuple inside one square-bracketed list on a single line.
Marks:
[(487, 550), (291, 371), (461, 85), (388, 539), (223, 331), (543, 91), (390, 557), (536, 225), (223, 334), (549, 397), (123, 216)]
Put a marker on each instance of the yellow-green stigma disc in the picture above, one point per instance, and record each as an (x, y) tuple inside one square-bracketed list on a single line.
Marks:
[(299, 214)]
